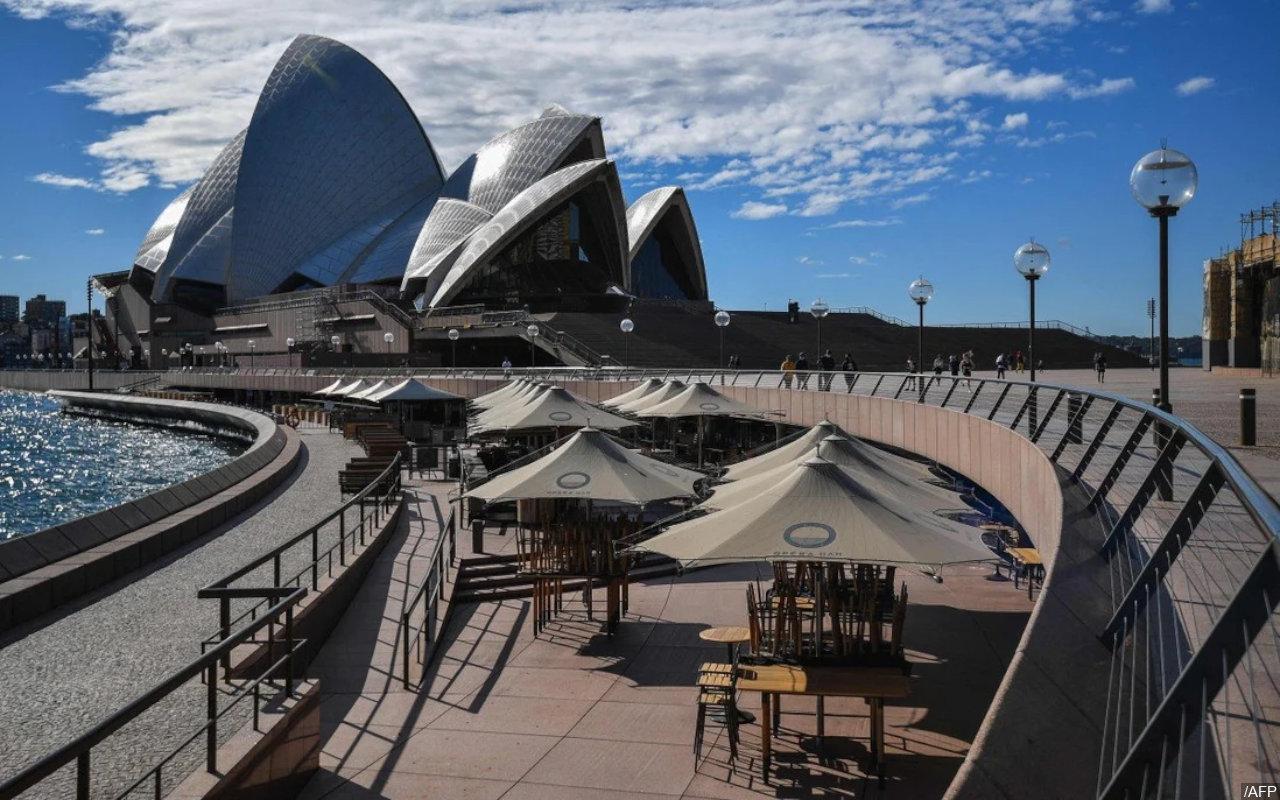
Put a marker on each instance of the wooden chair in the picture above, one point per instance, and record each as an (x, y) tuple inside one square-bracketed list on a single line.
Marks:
[(717, 688)]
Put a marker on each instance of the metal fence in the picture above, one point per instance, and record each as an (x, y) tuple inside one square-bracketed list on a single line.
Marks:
[(417, 640)]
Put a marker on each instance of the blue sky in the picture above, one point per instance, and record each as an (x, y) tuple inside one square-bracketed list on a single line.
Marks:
[(830, 149)]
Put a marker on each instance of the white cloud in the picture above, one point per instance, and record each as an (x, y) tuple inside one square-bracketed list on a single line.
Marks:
[(858, 259), (910, 78), (1015, 121), (976, 175), (1195, 85), (754, 210), (64, 181), (1154, 6), (96, 231), (826, 275), (22, 257), (1107, 87), (865, 223), (808, 262), (912, 200)]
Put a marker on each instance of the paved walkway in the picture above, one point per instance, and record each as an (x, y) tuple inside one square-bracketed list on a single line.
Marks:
[(58, 681), (574, 714)]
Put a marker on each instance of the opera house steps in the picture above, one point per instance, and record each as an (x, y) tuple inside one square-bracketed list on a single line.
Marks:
[(675, 337)]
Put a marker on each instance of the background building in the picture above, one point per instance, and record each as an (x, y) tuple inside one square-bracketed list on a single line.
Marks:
[(8, 311), (1242, 298)]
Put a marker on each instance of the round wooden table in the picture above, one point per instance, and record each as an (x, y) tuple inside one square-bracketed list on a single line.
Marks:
[(731, 636)]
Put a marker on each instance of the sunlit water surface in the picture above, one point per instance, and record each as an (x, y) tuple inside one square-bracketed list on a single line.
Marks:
[(55, 468)]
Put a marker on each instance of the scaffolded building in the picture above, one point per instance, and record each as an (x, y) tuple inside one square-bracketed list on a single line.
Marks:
[(1242, 298)]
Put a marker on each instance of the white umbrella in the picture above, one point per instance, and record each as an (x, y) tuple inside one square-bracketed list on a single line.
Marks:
[(499, 395), (663, 393), (635, 393), (700, 400), (331, 388), (411, 390), (554, 408), (899, 477), (819, 512), (521, 398), (799, 448), (367, 392), (351, 388), (591, 466)]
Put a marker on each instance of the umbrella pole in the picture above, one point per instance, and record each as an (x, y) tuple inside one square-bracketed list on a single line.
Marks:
[(702, 422)]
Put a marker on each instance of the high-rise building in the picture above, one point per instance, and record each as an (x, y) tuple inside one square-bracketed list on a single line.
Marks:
[(8, 311), (41, 312)]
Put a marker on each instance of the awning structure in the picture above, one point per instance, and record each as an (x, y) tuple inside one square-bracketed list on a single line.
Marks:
[(700, 400), (820, 512), (351, 388), (661, 394), (410, 391), (644, 388), (500, 395), (366, 393), (552, 408), (591, 466), (331, 388)]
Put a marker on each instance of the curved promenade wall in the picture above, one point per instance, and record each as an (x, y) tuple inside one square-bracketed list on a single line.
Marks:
[(45, 569)]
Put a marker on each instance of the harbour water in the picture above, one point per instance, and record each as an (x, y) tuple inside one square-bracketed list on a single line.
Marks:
[(55, 467)]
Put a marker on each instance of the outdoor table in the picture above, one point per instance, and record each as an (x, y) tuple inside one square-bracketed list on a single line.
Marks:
[(872, 683), (1028, 559)]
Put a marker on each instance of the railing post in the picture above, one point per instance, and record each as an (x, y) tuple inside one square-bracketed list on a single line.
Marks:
[(224, 627), (288, 657), (211, 712), (275, 570), (315, 559), (82, 776)]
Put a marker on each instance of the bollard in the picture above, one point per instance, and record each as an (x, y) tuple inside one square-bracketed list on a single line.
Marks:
[(1248, 417), (477, 535), (1075, 425)]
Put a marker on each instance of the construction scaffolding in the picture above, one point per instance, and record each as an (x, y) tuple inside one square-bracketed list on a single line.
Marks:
[(1242, 297)]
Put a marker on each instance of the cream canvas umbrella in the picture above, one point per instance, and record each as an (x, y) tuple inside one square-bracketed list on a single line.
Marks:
[(522, 398), (554, 408), (352, 388), (367, 392), (663, 393), (591, 466), (331, 388), (701, 401), (411, 390), (899, 477), (634, 393), (499, 395), (819, 512), (799, 448)]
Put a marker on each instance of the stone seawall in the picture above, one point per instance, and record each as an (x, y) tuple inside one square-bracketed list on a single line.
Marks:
[(48, 568)]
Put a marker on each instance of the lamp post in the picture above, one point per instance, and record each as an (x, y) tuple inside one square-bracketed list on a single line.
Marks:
[(819, 310), (289, 343), (453, 345), (533, 332), (1151, 316), (722, 321), (626, 326), (88, 328), (1032, 261), (1163, 181), (388, 337), (921, 292), (253, 346), (186, 354)]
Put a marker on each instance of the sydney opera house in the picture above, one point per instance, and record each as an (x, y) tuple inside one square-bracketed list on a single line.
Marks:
[(334, 183)]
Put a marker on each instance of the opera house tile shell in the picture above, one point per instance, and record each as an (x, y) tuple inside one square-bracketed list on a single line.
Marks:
[(335, 182)]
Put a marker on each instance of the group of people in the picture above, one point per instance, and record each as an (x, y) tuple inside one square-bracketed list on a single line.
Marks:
[(798, 370)]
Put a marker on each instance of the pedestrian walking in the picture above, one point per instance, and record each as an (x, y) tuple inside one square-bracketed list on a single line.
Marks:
[(1100, 365), (802, 371), (953, 362), (506, 367), (1018, 363), (826, 363), (911, 373), (966, 366), (788, 370), (1002, 363), (850, 369)]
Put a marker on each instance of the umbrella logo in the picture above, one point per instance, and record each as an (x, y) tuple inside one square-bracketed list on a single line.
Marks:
[(573, 480), (560, 416), (809, 535), (709, 406)]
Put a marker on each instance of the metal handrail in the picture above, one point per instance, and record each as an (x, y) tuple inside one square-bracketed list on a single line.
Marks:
[(430, 592), (79, 749), (383, 490)]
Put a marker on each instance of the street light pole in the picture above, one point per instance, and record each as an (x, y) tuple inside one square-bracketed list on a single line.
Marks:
[(253, 346), (88, 327), (921, 292), (722, 319), (626, 326), (453, 344), (289, 343), (819, 310), (1032, 261), (1151, 348), (533, 332)]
